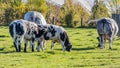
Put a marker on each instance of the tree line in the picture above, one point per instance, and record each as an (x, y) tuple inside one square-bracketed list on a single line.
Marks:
[(69, 14)]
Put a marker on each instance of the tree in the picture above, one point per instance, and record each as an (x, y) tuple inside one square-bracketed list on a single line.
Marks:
[(99, 10), (37, 5), (74, 15), (114, 6), (16, 10)]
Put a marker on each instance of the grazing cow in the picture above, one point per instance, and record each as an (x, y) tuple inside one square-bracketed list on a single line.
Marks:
[(58, 34), (35, 17), (107, 28), (20, 29)]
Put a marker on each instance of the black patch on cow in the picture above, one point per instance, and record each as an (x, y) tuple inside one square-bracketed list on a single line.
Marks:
[(45, 37), (62, 36), (19, 41), (19, 29), (11, 30), (66, 39), (28, 32), (40, 32), (53, 32)]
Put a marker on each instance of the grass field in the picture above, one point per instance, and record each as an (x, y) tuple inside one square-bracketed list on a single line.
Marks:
[(84, 54)]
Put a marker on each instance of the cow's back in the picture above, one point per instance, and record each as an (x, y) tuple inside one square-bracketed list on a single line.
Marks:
[(36, 17), (16, 28), (105, 26)]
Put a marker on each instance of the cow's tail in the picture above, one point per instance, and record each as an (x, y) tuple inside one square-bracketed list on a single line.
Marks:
[(11, 30)]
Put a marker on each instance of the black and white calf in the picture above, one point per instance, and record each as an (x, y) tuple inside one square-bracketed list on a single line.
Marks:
[(58, 34), (22, 29), (107, 28), (36, 17)]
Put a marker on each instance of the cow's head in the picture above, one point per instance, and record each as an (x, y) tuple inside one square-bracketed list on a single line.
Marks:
[(64, 38), (50, 32), (41, 30), (69, 47)]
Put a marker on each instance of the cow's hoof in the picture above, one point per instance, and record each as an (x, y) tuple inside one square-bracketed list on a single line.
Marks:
[(38, 50), (101, 47)]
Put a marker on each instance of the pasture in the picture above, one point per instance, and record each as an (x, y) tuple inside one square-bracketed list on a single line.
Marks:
[(84, 54)]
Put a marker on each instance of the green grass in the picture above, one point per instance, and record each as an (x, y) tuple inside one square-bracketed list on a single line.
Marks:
[(84, 54)]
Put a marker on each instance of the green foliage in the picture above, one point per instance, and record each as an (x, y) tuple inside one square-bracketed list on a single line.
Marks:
[(99, 10), (114, 4), (84, 54), (73, 13), (69, 19), (16, 10), (37, 5)]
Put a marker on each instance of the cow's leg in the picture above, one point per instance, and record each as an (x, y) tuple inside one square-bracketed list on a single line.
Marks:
[(63, 46), (110, 42), (16, 44), (32, 44), (38, 45), (98, 38), (101, 42), (19, 42), (52, 44), (44, 44), (25, 44)]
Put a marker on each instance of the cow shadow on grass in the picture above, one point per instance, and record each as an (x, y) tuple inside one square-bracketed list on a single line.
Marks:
[(3, 51), (80, 49), (2, 36), (6, 52), (51, 52)]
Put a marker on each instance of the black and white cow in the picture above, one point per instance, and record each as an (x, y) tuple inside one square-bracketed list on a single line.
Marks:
[(58, 34), (107, 28), (36, 17), (22, 29)]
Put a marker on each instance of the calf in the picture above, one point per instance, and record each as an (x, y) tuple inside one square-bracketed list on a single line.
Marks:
[(107, 28), (58, 34), (20, 29), (35, 17)]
